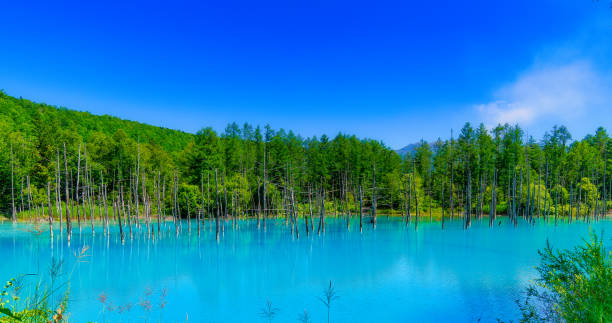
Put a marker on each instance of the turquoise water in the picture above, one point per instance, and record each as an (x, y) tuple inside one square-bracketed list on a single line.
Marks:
[(391, 274)]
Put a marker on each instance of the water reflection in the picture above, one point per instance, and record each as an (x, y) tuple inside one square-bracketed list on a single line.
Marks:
[(393, 273)]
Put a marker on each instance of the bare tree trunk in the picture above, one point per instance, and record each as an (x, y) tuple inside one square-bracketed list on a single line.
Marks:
[(78, 213), (225, 200), (217, 198), (374, 197), (579, 201), (520, 192), (546, 192), (21, 196), (409, 188), (322, 214), (121, 210), (49, 209), (159, 209), (258, 205), (58, 189), (556, 197), (442, 203), (201, 206), (88, 190), (310, 211), (539, 190), (13, 210), (491, 206), (264, 188), (481, 196), (188, 213), (208, 198), (104, 197), (68, 222), (29, 198), (144, 201), (360, 210), (137, 214), (450, 189), (178, 204), (430, 195), (416, 197), (294, 215)]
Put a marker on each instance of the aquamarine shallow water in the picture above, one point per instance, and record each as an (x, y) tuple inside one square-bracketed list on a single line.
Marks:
[(391, 274)]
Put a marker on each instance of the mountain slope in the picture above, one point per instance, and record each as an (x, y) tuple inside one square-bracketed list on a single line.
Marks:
[(28, 117)]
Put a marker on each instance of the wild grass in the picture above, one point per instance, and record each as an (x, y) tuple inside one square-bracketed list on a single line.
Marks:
[(43, 300)]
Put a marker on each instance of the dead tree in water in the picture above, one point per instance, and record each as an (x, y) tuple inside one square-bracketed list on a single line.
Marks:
[(264, 188), (430, 194), (442, 203), (468, 201), (144, 201), (492, 205), (409, 189), (100, 217), (68, 222), (178, 205), (374, 197), (519, 204), (120, 211), (556, 197), (224, 199), (135, 188), (13, 210), (480, 196), (77, 188), (416, 197), (29, 197), (104, 197), (188, 214), (258, 205), (309, 215), (539, 190), (58, 190), (578, 196), (159, 209), (49, 209), (322, 213), (406, 202), (605, 195), (129, 211), (360, 210), (545, 192), (346, 206), (21, 195), (217, 204), (313, 208), (294, 216), (208, 210), (163, 200), (450, 189), (89, 191)]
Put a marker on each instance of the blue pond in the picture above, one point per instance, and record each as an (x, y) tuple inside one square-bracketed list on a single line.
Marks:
[(390, 274)]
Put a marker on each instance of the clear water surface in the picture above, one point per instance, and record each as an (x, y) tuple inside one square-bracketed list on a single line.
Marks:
[(390, 274)]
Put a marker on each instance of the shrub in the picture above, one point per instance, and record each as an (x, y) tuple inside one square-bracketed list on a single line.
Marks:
[(573, 285)]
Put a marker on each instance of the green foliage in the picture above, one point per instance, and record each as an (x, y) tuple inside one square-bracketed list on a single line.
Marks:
[(243, 155), (589, 190), (573, 285)]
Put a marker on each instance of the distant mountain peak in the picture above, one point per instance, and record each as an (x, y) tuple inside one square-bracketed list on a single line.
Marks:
[(408, 149)]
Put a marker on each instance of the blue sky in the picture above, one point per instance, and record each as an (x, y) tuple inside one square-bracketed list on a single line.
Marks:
[(397, 71)]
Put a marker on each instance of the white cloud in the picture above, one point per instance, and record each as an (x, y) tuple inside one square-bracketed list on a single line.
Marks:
[(560, 92)]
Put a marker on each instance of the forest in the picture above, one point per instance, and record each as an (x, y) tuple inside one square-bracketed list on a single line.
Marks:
[(57, 163)]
